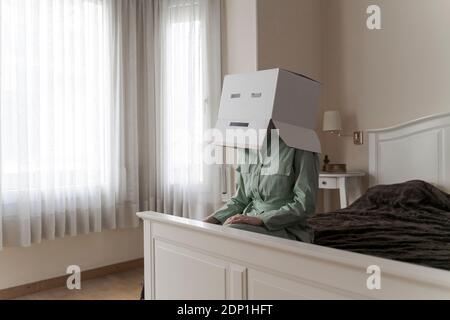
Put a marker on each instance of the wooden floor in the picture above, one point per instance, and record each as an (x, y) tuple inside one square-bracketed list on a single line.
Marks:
[(120, 286)]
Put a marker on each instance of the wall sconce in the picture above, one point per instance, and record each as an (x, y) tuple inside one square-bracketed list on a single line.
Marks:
[(332, 123)]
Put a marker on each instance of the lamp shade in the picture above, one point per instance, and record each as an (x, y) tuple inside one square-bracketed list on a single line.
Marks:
[(332, 121)]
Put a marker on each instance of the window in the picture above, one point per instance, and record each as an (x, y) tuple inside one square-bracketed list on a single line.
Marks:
[(54, 94), (184, 92)]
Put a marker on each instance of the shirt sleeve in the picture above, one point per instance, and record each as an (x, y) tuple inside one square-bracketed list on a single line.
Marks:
[(235, 205), (305, 193)]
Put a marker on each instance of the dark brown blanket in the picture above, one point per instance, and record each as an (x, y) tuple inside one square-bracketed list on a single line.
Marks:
[(408, 222)]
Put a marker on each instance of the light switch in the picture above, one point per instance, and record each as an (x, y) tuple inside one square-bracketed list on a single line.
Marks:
[(358, 138)]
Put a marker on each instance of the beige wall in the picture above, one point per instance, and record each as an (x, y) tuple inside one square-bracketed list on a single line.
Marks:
[(376, 78), (264, 34), (383, 78), (50, 259), (239, 36), (290, 36)]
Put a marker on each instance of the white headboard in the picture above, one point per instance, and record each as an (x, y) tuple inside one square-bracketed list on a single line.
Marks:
[(417, 150)]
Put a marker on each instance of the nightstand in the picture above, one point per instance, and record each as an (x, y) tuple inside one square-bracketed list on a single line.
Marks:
[(349, 185)]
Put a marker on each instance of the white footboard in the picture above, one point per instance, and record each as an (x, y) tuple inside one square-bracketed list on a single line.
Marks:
[(190, 260)]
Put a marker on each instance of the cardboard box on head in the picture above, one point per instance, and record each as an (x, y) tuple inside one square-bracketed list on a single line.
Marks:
[(251, 102)]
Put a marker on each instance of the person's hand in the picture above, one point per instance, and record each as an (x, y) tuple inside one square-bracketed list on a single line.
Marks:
[(211, 220), (241, 219)]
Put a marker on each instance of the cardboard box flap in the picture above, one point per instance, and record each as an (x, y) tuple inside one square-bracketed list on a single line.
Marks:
[(298, 137)]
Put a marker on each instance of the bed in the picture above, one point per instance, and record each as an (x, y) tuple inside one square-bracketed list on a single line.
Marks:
[(187, 259), (407, 222)]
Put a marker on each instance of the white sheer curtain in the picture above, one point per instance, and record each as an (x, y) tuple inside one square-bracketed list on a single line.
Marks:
[(188, 77), (64, 168), (103, 107)]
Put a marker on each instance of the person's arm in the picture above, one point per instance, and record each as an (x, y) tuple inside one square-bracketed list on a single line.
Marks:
[(234, 206), (305, 191)]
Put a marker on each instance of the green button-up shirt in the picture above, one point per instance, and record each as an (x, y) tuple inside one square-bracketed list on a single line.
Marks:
[(283, 199)]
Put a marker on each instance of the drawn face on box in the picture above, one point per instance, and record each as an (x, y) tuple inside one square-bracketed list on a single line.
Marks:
[(252, 102)]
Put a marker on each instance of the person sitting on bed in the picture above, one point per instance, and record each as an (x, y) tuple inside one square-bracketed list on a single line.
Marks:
[(278, 204)]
